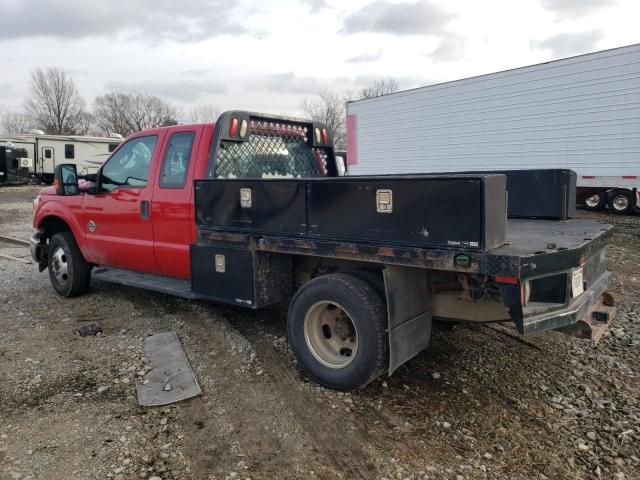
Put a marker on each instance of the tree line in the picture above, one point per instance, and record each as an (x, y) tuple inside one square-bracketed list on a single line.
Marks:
[(55, 106)]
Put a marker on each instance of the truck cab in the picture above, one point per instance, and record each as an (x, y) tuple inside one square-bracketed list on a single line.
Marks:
[(253, 211), (138, 213)]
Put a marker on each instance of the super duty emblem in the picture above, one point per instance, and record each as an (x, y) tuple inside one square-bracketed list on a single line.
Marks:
[(91, 226)]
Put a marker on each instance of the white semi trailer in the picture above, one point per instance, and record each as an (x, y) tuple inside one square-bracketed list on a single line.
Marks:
[(88, 153), (580, 113)]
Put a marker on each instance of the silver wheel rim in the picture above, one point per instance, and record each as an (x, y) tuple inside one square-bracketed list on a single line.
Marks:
[(330, 334), (60, 266), (593, 201), (621, 202)]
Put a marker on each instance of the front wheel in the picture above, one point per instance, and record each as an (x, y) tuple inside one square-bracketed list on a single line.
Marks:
[(621, 201), (337, 330), (70, 274)]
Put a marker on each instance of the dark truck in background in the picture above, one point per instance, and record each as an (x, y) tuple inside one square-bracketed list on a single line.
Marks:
[(252, 211), (14, 165)]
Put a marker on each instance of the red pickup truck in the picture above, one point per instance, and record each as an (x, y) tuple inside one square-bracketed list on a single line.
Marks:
[(252, 211)]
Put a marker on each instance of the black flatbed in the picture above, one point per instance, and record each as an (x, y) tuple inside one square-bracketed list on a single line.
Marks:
[(534, 247), (528, 249), (532, 237)]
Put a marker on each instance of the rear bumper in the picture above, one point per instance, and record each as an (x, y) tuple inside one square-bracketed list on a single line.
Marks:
[(591, 311)]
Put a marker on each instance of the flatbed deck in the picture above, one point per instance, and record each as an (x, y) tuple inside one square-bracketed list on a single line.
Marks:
[(527, 250)]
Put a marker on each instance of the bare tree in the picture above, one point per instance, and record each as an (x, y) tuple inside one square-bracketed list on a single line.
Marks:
[(203, 114), (379, 88), (54, 103), (125, 113), (16, 123), (329, 108)]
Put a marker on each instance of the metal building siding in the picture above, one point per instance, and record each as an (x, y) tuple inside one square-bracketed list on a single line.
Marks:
[(581, 113)]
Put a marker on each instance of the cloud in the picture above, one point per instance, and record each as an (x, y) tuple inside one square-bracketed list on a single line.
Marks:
[(451, 47), (576, 8), (366, 57), (184, 91), (197, 71), (568, 44), (406, 18), (287, 82), (316, 5), (405, 82), (190, 21), (291, 83)]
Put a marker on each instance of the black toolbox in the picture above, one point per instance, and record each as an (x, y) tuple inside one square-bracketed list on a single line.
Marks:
[(454, 211), (546, 193)]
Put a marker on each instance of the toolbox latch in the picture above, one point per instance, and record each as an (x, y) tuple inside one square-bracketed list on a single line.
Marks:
[(384, 201), (245, 197), (221, 266)]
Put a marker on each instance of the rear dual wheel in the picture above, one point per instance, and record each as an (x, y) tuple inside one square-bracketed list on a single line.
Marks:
[(337, 330)]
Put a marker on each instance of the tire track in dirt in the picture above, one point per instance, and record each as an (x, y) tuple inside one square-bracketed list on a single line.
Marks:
[(341, 448)]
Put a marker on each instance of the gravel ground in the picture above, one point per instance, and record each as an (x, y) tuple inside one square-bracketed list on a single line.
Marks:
[(480, 403)]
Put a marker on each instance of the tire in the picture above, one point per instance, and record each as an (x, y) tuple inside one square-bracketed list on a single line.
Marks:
[(621, 201), (595, 202), (69, 273), (337, 330), (374, 278)]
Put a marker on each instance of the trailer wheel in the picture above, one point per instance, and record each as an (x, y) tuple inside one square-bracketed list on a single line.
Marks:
[(337, 329), (70, 274), (596, 201), (621, 201)]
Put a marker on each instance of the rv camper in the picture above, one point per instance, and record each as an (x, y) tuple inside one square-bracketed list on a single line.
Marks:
[(47, 151)]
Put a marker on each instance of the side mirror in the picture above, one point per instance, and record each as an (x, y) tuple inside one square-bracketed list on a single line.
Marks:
[(65, 179)]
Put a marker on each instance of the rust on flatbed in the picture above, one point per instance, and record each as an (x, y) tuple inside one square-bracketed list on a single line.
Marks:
[(526, 252)]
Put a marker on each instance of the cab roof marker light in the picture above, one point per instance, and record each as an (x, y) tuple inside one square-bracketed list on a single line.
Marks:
[(233, 127)]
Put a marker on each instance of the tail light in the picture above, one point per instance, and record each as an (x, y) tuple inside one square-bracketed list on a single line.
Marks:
[(325, 136), (233, 127)]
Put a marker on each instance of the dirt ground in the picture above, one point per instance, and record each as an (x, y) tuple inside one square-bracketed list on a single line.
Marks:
[(480, 402)]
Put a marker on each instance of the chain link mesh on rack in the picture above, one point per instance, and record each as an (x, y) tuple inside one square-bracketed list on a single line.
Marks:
[(273, 150)]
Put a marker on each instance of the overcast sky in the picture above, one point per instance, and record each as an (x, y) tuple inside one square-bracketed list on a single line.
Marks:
[(266, 55)]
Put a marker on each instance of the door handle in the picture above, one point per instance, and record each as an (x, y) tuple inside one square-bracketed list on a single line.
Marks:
[(145, 210)]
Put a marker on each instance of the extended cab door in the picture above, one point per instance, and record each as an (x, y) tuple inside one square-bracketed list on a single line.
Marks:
[(117, 218), (172, 206)]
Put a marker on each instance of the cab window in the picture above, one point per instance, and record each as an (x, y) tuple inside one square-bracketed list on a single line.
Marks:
[(176, 160), (129, 166)]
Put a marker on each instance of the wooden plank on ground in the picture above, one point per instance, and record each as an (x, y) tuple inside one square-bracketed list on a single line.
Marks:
[(16, 259), (18, 241)]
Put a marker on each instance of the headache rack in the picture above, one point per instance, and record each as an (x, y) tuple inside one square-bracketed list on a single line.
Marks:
[(253, 145)]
